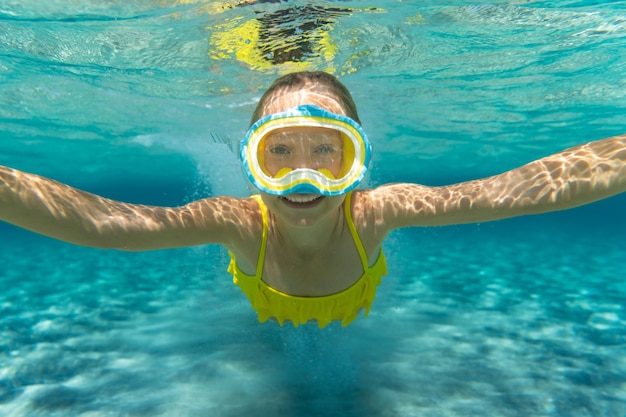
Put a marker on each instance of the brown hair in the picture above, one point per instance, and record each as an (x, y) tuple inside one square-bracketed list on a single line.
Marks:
[(330, 93)]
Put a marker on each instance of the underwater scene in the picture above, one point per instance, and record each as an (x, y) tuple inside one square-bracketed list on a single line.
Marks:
[(146, 101)]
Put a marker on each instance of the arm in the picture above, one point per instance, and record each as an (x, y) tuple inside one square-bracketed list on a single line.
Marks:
[(59, 211), (568, 179)]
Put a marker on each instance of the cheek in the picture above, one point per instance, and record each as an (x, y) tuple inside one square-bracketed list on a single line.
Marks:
[(271, 166), (336, 170)]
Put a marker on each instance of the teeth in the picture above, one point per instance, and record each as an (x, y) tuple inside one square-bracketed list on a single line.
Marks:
[(302, 198)]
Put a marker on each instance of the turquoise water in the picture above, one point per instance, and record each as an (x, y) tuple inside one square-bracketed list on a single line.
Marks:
[(131, 100)]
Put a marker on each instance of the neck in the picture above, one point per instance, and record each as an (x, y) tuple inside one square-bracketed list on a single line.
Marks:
[(310, 237)]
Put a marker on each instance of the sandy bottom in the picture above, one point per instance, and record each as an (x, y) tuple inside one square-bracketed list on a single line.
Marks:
[(471, 321)]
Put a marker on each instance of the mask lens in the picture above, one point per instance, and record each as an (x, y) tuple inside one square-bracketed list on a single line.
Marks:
[(319, 149)]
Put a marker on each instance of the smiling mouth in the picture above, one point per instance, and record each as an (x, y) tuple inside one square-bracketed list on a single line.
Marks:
[(302, 200)]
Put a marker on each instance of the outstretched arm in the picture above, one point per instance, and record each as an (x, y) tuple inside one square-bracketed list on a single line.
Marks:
[(59, 211), (571, 178)]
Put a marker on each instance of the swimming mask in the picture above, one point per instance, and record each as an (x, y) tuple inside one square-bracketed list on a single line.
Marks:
[(303, 150)]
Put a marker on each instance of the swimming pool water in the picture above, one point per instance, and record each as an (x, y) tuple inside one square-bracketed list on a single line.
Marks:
[(523, 317)]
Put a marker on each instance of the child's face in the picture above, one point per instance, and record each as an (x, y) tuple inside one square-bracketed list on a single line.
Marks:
[(308, 147)]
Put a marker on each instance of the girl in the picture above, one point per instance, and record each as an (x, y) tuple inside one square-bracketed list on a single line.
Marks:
[(308, 247)]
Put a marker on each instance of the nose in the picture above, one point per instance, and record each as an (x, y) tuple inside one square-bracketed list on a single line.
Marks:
[(302, 160)]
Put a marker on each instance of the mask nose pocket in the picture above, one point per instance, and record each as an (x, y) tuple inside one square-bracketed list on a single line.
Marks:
[(327, 173), (282, 172)]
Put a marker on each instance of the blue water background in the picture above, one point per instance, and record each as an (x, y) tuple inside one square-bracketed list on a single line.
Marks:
[(522, 317)]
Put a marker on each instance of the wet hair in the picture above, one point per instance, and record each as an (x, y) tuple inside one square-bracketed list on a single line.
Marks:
[(327, 89)]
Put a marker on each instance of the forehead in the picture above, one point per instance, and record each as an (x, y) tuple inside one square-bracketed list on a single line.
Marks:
[(285, 101), (303, 132)]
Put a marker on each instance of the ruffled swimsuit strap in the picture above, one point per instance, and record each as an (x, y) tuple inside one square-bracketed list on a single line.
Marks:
[(354, 233), (264, 215)]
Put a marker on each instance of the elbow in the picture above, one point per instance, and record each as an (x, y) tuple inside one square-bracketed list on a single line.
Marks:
[(94, 242), (125, 244), (101, 239)]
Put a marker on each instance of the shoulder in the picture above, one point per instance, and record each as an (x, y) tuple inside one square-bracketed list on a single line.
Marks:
[(232, 221), (393, 206), (368, 214), (388, 200), (226, 210), (378, 211)]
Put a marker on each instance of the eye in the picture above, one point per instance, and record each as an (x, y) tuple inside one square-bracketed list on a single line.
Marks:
[(279, 150), (325, 149)]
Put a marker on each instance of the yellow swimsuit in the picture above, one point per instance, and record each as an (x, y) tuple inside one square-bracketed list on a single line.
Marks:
[(344, 305)]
